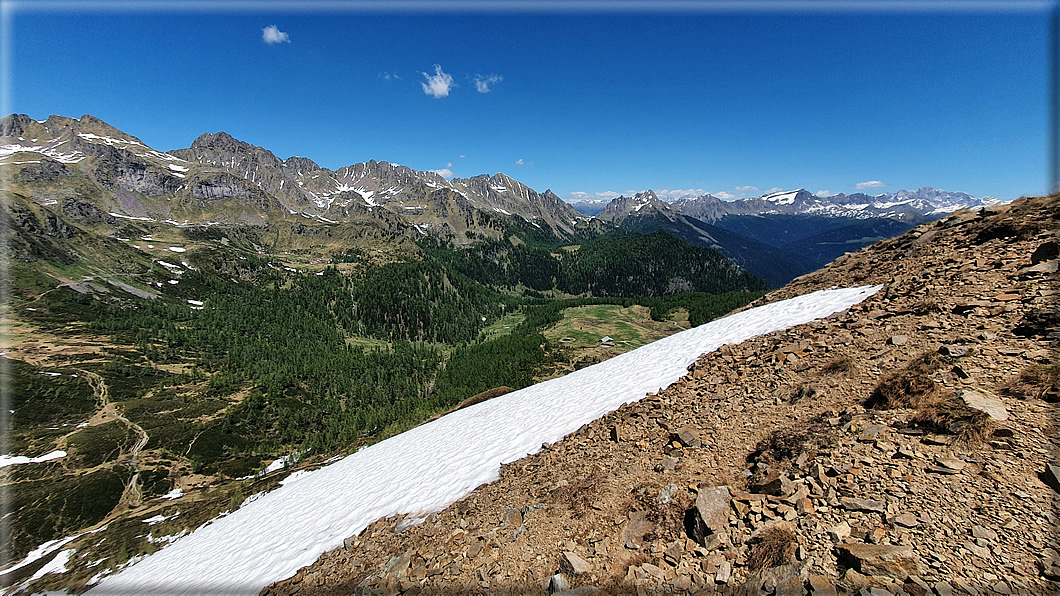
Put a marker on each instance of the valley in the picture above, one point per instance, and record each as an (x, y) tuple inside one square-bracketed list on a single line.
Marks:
[(190, 328)]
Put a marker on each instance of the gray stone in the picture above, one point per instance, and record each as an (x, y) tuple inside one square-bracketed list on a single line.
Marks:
[(985, 533), (1001, 588), (984, 402), (574, 563), (869, 434), (1051, 476), (954, 351), (711, 513), (687, 436), (839, 532), (724, 573), (898, 340), (943, 589), (666, 493), (898, 562), (558, 584)]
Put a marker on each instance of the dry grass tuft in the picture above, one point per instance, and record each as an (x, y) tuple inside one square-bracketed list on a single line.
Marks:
[(839, 366), (949, 414), (1037, 381), (910, 387), (783, 446), (803, 391), (913, 387), (775, 547)]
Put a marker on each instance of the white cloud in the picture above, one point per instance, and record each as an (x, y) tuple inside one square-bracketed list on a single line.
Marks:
[(386, 76), (746, 188), (774, 189), (444, 172), (869, 184), (725, 195), (825, 193), (483, 84), (578, 196), (668, 194), (520, 162), (438, 85), (272, 35), (462, 156)]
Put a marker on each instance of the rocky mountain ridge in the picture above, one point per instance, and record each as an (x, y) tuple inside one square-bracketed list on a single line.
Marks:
[(219, 179), (905, 446), (645, 213), (913, 206)]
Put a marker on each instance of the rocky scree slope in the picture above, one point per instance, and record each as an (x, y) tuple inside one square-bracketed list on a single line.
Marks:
[(836, 457)]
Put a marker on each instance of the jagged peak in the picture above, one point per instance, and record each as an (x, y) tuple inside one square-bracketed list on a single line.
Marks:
[(302, 164)]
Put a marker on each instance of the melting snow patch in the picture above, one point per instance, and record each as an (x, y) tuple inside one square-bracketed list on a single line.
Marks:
[(430, 466), (176, 493), (177, 168), (177, 249), (14, 460), (56, 565), (194, 302), (172, 282), (120, 216)]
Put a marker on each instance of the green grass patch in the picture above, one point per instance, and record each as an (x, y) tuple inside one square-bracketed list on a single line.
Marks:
[(94, 445)]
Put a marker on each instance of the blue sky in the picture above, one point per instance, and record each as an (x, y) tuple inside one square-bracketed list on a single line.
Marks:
[(588, 103)]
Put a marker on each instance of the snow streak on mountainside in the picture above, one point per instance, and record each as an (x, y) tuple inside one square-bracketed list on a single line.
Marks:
[(426, 468)]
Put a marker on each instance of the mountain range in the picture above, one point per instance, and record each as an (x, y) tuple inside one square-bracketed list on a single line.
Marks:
[(98, 174)]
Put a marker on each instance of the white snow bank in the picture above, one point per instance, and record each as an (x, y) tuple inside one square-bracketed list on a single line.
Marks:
[(13, 460), (435, 464)]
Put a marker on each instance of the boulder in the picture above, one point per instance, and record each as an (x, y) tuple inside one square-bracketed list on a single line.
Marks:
[(710, 515), (574, 563), (898, 562), (984, 402)]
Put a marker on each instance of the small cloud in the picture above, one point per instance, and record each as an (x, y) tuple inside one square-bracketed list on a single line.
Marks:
[(386, 76), (484, 84), (725, 195), (520, 162), (438, 86), (774, 189), (272, 35), (578, 196), (869, 184), (674, 194), (825, 194), (444, 172), (746, 188), (462, 156)]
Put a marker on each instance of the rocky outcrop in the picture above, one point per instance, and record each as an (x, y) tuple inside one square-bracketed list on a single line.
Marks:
[(778, 449)]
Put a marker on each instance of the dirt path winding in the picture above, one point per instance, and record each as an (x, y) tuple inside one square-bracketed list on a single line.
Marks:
[(107, 412)]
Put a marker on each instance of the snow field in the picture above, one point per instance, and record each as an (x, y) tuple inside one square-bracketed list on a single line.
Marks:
[(433, 465)]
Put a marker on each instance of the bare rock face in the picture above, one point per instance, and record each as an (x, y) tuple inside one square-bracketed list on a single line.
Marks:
[(898, 562)]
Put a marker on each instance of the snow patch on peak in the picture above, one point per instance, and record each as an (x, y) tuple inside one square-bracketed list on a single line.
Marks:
[(782, 198)]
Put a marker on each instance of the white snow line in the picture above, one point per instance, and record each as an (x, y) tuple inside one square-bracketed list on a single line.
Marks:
[(435, 464), (14, 460)]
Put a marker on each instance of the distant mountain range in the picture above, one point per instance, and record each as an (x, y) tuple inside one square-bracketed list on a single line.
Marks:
[(782, 235), (97, 175), (904, 205)]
